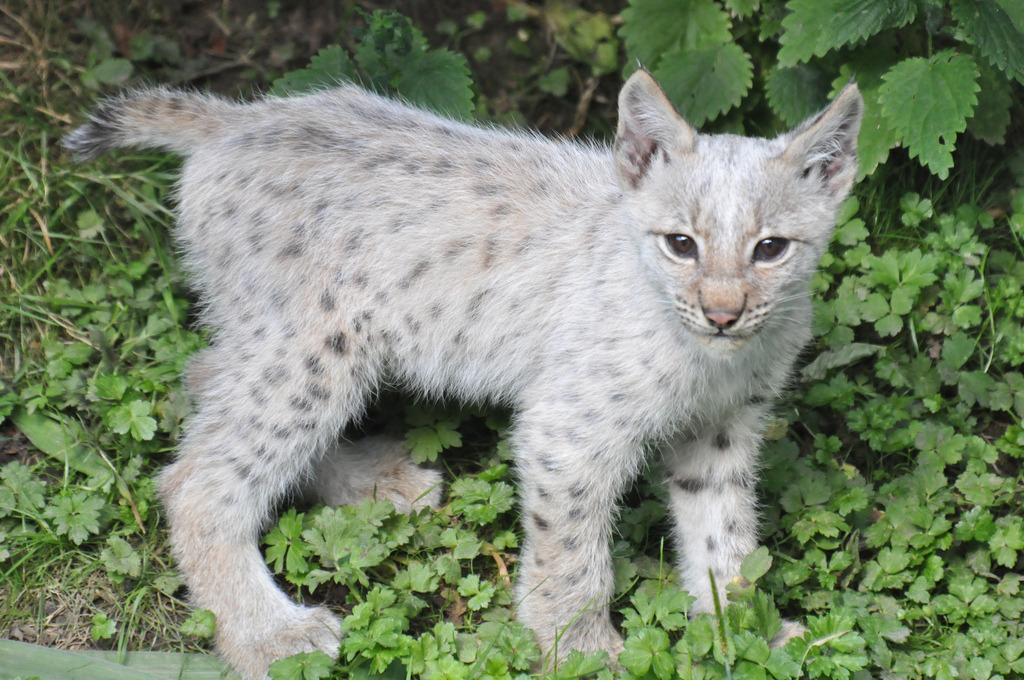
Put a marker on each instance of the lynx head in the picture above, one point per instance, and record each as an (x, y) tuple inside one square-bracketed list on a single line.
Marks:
[(732, 228)]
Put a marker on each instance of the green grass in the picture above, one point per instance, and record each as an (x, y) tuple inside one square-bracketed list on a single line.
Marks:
[(891, 488)]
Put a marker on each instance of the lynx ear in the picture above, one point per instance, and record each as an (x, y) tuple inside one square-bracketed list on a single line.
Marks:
[(648, 126), (827, 143)]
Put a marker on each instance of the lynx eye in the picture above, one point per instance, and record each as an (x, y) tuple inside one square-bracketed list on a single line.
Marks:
[(770, 249), (682, 245)]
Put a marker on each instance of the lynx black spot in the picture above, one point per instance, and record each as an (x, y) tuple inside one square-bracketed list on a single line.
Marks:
[(317, 392), (313, 364), (275, 375), (540, 522), (337, 343), (722, 441), (690, 484), (300, 403), (327, 301)]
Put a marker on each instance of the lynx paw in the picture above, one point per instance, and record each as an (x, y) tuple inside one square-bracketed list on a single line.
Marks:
[(600, 638), (790, 630), (304, 629), (375, 467)]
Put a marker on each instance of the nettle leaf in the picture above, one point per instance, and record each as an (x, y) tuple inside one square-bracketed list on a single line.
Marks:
[(796, 92), (742, 8), (992, 114), (814, 27), (706, 82), (652, 28), (438, 80), (988, 26), (330, 67), (928, 101)]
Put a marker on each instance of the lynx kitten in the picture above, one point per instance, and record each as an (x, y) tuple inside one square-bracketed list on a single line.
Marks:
[(654, 292)]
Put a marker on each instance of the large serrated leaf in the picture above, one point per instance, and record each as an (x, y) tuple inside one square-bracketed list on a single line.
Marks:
[(328, 68), (928, 102), (704, 83), (992, 114), (796, 92), (440, 81), (986, 24), (813, 27), (742, 8), (651, 28)]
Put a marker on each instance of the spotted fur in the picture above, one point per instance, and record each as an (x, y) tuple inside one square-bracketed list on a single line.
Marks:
[(339, 239)]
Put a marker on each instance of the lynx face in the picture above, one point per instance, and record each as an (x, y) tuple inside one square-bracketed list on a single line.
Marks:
[(735, 226)]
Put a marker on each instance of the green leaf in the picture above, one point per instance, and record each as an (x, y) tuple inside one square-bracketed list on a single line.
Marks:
[(957, 349), (844, 356), (61, 439), (76, 516), (20, 490), (928, 101), (796, 92), (889, 324), (133, 418), (429, 440), (102, 628), (588, 37), (200, 623), (987, 25), (110, 386), (303, 666), (330, 67), (756, 564), (440, 81), (108, 72), (992, 114), (120, 557), (647, 650), (651, 28), (813, 27), (706, 82), (742, 8)]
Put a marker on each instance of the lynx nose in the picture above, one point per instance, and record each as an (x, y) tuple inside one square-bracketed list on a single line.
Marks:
[(721, 318)]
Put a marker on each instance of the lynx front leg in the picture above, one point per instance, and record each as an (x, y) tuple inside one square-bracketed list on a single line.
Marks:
[(712, 476), (569, 484)]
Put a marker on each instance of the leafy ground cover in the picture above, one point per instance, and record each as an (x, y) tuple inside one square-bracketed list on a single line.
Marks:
[(892, 477)]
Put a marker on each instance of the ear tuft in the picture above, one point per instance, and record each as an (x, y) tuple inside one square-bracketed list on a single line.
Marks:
[(826, 144), (648, 126)]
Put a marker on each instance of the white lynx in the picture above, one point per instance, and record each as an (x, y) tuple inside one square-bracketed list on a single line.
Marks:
[(655, 291)]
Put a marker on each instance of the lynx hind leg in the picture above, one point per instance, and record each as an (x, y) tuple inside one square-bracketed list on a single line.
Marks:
[(263, 412), (374, 467)]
